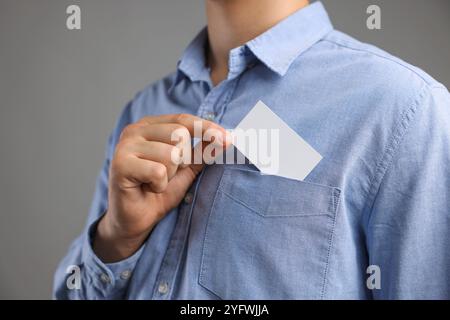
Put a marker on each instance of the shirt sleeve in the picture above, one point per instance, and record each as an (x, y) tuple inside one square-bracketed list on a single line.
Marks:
[(409, 223), (97, 279)]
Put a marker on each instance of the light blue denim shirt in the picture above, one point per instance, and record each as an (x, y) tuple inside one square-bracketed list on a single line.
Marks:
[(380, 197)]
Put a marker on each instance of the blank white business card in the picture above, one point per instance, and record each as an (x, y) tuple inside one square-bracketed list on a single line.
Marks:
[(272, 146)]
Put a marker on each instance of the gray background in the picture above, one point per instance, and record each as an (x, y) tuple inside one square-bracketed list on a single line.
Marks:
[(61, 91)]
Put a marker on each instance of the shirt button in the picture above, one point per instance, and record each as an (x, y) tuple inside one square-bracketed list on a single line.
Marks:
[(210, 116), (163, 288), (125, 274), (105, 278), (188, 198)]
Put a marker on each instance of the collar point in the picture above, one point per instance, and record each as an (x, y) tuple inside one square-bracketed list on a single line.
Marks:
[(279, 69)]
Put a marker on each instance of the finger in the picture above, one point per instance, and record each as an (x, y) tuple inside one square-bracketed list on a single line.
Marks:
[(167, 154), (151, 173), (193, 124), (180, 184), (205, 153), (169, 133)]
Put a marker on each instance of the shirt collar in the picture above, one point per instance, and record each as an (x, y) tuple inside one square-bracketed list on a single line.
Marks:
[(276, 48), (193, 59)]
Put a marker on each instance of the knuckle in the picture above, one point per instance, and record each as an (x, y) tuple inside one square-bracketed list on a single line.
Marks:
[(120, 157), (118, 153), (159, 172), (144, 120), (130, 130), (122, 147), (183, 117), (159, 187), (117, 164)]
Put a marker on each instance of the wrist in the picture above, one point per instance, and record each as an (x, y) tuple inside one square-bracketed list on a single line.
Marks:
[(111, 245)]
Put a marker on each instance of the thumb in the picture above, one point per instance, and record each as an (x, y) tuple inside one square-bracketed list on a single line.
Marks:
[(196, 168), (185, 176), (180, 183)]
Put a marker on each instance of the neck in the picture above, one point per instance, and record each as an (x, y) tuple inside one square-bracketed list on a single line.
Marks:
[(232, 23)]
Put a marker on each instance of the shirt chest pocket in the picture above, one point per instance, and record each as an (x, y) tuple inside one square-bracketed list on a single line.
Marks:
[(268, 237)]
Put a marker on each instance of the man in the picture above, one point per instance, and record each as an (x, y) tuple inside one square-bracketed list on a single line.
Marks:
[(371, 220)]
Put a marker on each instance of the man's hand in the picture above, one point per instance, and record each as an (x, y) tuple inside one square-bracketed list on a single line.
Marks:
[(146, 180)]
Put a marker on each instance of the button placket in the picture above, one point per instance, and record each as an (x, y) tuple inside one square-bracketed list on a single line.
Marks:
[(188, 198), (169, 268), (125, 275), (172, 259), (207, 107), (105, 278), (163, 288), (210, 116)]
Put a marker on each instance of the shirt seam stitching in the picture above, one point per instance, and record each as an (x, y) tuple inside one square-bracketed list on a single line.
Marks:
[(390, 152), (404, 65), (273, 216), (336, 198)]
